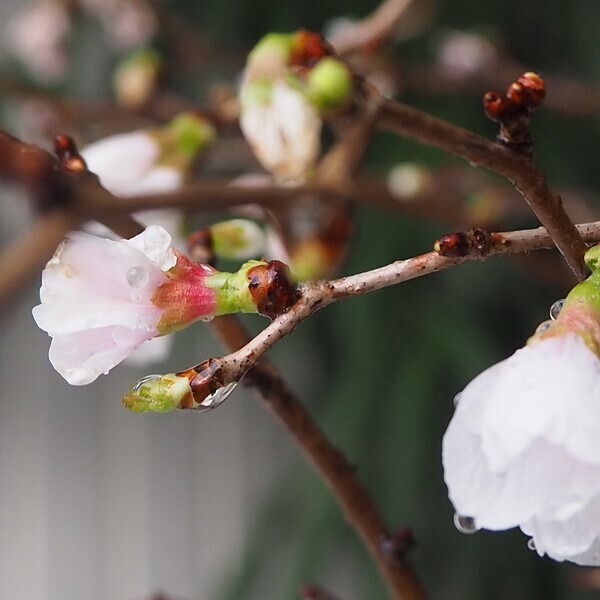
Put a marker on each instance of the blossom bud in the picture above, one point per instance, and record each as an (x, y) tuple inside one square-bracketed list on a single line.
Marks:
[(329, 84), (282, 127), (136, 77), (237, 239), (200, 388)]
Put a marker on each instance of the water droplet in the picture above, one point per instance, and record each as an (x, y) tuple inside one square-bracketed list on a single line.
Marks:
[(207, 319), (543, 326), (144, 380), (464, 524), (456, 399), (556, 308), (531, 544), (137, 277), (217, 398)]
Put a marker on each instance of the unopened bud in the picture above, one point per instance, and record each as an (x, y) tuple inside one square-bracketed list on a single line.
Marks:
[(136, 77), (329, 84), (237, 239)]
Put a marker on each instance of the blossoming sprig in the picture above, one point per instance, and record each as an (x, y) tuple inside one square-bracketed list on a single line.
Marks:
[(207, 385), (291, 81), (101, 299), (529, 422)]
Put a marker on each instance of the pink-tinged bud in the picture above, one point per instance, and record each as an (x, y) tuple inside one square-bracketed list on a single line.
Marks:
[(185, 297)]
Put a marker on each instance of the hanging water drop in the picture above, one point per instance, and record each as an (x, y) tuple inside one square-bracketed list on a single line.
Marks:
[(217, 397), (464, 524), (456, 399), (207, 319), (144, 380), (137, 276), (545, 325), (531, 544), (556, 308)]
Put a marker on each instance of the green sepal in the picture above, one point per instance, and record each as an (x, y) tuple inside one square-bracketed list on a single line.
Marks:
[(232, 291)]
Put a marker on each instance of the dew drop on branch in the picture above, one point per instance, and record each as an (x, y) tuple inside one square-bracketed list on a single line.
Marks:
[(464, 524)]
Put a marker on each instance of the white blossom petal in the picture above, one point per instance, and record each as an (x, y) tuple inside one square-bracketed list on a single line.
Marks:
[(96, 300), (120, 161), (523, 448), (284, 132)]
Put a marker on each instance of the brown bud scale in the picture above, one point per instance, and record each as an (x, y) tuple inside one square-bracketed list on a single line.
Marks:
[(462, 243), (271, 288)]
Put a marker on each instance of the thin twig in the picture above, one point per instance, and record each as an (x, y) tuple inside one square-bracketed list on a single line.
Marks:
[(317, 295), (374, 29), (528, 179), (315, 592), (357, 506)]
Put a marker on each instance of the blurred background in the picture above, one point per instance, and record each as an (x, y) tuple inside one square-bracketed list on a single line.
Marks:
[(99, 503)]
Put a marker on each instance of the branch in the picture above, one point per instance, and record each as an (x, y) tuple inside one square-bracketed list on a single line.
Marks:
[(314, 592), (528, 179), (374, 29), (357, 506), (317, 295)]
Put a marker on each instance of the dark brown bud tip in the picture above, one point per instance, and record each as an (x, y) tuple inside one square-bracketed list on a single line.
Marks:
[(205, 379), (271, 288), (68, 155), (399, 544), (452, 245), (474, 241), (308, 49), (495, 106), (535, 88), (200, 246)]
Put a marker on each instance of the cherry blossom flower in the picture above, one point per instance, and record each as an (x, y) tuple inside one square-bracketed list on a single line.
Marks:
[(283, 129), (101, 299), (290, 81), (523, 447)]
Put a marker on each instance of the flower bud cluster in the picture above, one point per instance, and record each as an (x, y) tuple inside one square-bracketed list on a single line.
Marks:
[(290, 81)]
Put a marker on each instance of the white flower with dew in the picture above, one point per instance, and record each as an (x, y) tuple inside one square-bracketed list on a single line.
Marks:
[(282, 127), (523, 448), (96, 300)]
